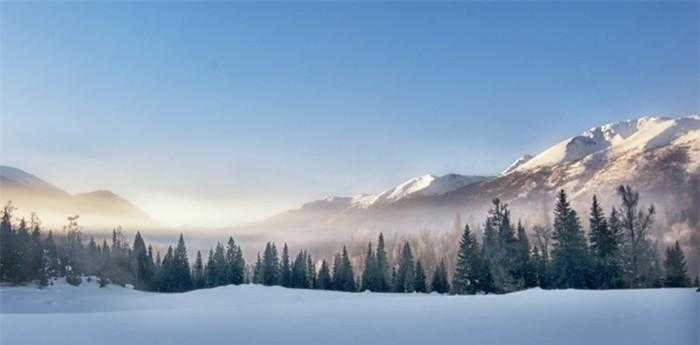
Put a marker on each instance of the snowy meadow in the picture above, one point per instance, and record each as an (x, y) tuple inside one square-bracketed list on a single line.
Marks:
[(254, 314)]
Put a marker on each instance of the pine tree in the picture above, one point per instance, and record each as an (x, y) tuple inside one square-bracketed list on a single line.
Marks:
[(439, 283), (54, 264), (526, 270), (299, 277), (198, 272), (310, 272), (324, 277), (7, 245), (37, 259), (676, 270), (640, 260), (382, 266), (500, 248), (270, 267), (405, 276), (181, 267), (419, 280), (142, 265), (286, 270), (466, 278), (346, 281), (569, 252), (22, 251), (337, 282), (370, 281), (604, 248), (257, 271), (218, 273), (237, 266)]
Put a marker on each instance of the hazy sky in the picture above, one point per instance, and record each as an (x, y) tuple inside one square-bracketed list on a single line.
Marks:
[(237, 111)]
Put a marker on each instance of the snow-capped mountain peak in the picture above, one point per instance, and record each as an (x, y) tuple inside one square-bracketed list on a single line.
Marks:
[(425, 185), (644, 133), (517, 163)]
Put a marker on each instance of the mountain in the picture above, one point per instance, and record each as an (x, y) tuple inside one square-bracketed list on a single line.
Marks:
[(658, 156), (99, 209)]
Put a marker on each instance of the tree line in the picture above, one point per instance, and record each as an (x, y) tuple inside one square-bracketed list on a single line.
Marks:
[(615, 253)]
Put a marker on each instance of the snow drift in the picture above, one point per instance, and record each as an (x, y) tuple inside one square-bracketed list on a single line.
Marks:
[(251, 314)]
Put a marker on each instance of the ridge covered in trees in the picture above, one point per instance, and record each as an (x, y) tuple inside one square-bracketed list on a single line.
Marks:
[(615, 252)]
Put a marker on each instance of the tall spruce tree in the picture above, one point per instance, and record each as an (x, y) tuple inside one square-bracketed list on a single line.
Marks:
[(604, 248), (675, 267), (285, 268), (324, 277), (370, 279), (419, 278), (526, 270), (270, 265), (569, 252), (405, 276), (465, 278), (7, 245), (181, 267), (500, 248), (346, 276), (382, 269), (440, 283), (198, 272)]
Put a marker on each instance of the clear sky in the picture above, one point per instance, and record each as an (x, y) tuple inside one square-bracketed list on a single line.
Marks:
[(237, 111)]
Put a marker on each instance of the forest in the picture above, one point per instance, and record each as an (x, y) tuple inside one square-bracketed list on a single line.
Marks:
[(614, 252)]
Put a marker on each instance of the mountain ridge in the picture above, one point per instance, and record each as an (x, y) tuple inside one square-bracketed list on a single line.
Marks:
[(97, 209)]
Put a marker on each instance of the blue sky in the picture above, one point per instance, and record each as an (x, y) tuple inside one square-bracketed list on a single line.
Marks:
[(242, 110)]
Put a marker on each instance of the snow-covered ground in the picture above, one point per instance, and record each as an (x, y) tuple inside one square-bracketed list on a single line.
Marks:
[(250, 314)]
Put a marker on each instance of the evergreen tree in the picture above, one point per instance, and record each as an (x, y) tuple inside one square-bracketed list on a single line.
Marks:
[(324, 277), (382, 266), (640, 260), (676, 270), (270, 267), (310, 272), (72, 250), (346, 276), (286, 270), (405, 276), (198, 272), (238, 267), (7, 245), (569, 252), (500, 248), (299, 276), (22, 251), (181, 267), (38, 260), (604, 248), (466, 275), (142, 265), (54, 264), (526, 270), (257, 271), (337, 267), (419, 278), (439, 283), (370, 281)]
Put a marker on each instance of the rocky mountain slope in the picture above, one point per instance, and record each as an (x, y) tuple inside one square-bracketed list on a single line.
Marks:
[(658, 156)]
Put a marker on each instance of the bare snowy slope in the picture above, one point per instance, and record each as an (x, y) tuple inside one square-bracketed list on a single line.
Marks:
[(253, 314)]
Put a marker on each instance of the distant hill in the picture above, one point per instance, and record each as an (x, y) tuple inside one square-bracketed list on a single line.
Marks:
[(99, 209)]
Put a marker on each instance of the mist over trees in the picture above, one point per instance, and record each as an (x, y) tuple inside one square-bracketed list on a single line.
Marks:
[(612, 251)]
